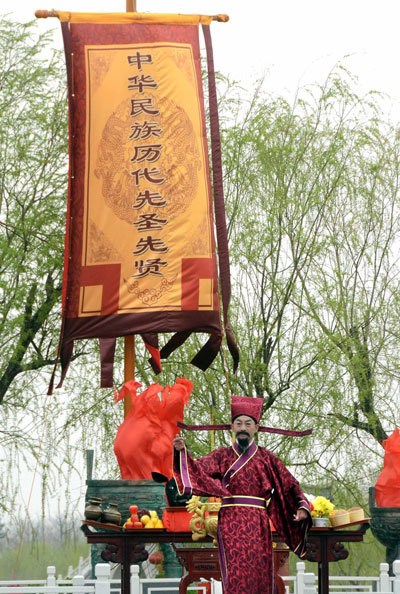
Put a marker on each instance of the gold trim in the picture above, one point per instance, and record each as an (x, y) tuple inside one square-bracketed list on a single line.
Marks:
[(243, 505), (246, 496), (247, 461)]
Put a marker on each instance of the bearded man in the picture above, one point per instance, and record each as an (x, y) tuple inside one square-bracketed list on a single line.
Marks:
[(254, 486)]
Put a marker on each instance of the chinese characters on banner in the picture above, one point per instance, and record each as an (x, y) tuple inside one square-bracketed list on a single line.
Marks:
[(140, 253)]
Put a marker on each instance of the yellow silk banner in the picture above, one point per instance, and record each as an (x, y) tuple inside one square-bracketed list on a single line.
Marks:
[(147, 192), (140, 252)]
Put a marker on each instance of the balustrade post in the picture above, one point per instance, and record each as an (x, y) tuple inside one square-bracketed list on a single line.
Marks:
[(396, 573), (309, 583), (51, 581), (135, 580), (78, 580), (299, 581), (384, 578), (51, 576), (103, 573)]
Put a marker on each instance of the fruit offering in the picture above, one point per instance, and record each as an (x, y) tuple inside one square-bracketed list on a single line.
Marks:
[(142, 518), (133, 521), (153, 521)]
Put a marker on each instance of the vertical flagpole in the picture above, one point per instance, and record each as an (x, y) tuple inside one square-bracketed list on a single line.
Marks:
[(130, 5), (129, 368), (129, 346)]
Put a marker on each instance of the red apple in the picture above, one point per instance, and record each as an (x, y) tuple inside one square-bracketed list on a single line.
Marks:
[(133, 509)]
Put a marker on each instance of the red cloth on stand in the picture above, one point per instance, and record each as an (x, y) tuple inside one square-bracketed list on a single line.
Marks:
[(143, 443), (387, 487)]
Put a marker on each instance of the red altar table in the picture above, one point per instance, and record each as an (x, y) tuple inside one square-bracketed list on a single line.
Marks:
[(202, 563)]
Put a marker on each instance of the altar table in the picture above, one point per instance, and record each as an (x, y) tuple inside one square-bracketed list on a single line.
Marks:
[(324, 545)]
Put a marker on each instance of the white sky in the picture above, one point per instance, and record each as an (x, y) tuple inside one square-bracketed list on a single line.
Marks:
[(294, 42)]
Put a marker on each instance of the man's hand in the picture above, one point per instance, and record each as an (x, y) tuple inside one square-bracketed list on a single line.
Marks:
[(301, 514), (178, 443)]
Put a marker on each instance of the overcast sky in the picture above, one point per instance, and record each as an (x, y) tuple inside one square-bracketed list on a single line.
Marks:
[(293, 42)]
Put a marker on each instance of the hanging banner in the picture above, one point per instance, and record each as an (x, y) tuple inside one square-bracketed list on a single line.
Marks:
[(140, 254)]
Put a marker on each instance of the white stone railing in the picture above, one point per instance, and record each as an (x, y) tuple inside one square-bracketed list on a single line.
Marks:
[(306, 583), (301, 583), (78, 584)]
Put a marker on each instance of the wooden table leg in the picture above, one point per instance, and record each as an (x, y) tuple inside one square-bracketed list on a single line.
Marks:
[(183, 584), (126, 569), (323, 569)]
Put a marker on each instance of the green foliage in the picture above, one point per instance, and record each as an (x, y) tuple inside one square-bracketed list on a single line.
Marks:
[(312, 200), (33, 151), (29, 548), (37, 439), (30, 561)]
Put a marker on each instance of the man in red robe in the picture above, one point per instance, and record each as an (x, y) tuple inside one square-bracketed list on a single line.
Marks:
[(255, 487)]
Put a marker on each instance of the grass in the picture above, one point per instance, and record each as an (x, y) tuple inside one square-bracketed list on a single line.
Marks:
[(30, 560)]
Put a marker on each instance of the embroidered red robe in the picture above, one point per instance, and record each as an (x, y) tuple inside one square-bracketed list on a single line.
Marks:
[(244, 534)]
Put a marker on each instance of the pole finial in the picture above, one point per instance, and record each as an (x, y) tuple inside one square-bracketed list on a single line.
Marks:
[(44, 14)]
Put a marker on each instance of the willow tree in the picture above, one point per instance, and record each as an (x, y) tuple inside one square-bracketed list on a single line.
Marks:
[(33, 175), (33, 154), (32, 188), (313, 200)]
